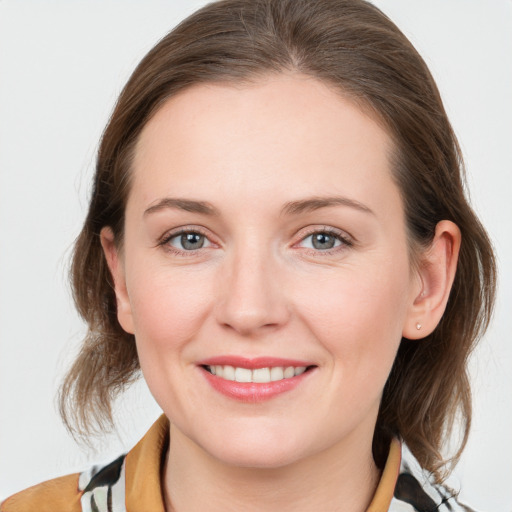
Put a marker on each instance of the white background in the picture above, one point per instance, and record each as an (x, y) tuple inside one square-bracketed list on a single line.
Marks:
[(62, 64)]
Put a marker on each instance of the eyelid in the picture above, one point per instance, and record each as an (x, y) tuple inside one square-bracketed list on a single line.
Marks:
[(345, 239), (163, 241)]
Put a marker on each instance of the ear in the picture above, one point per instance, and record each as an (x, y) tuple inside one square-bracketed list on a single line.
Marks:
[(435, 275), (116, 266)]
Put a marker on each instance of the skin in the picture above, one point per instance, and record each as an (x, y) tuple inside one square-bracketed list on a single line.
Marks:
[(258, 287)]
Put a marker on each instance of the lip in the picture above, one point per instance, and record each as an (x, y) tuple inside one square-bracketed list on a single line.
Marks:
[(253, 392), (253, 363)]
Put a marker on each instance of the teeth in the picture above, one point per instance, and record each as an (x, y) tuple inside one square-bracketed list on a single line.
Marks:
[(228, 373), (260, 375), (289, 372), (243, 375), (276, 373)]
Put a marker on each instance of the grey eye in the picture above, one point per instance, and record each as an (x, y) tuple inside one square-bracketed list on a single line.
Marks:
[(189, 241), (321, 241)]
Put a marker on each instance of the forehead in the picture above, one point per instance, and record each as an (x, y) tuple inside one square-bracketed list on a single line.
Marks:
[(283, 129)]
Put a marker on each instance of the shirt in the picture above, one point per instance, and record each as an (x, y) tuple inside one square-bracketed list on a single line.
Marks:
[(132, 483)]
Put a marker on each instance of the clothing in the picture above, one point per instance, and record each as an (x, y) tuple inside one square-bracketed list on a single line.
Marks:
[(131, 483)]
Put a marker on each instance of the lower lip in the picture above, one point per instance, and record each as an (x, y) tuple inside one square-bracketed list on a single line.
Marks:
[(252, 392)]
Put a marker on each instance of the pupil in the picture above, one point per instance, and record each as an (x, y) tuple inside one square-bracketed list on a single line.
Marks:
[(192, 241), (323, 241)]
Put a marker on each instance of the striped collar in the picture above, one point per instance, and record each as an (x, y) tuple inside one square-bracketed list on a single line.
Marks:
[(132, 482)]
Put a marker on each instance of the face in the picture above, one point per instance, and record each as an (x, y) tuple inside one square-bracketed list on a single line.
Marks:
[(264, 270)]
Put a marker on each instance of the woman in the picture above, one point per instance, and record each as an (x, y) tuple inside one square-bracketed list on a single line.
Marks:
[(278, 237)]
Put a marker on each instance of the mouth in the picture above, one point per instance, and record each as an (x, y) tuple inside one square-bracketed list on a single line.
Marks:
[(255, 380), (257, 375)]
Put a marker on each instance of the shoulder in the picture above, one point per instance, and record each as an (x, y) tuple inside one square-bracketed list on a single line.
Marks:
[(57, 495), (79, 492), (102, 488), (416, 488)]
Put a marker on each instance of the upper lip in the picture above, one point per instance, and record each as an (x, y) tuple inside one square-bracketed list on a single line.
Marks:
[(253, 363)]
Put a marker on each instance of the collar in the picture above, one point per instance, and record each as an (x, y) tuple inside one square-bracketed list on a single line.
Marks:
[(144, 462), (144, 465), (132, 483)]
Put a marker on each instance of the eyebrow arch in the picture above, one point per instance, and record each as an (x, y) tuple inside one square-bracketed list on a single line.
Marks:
[(290, 208), (188, 205), (315, 203)]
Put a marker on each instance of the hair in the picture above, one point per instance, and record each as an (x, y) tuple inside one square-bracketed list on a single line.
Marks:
[(352, 46)]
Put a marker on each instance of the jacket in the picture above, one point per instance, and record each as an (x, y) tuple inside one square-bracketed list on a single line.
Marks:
[(131, 483)]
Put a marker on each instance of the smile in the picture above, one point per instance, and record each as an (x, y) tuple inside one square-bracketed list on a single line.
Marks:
[(258, 375), (255, 380)]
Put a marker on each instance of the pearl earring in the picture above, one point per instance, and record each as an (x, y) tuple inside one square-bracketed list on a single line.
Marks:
[(418, 326)]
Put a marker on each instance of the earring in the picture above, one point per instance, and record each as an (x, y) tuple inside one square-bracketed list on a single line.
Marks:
[(418, 326)]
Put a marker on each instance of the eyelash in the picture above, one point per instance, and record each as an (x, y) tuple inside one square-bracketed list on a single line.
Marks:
[(346, 241), (164, 241)]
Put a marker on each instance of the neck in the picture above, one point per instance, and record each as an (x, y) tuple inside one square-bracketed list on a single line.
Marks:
[(342, 478)]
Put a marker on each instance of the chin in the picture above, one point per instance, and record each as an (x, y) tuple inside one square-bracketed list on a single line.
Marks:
[(263, 450)]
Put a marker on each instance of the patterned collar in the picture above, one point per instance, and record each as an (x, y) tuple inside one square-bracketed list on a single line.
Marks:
[(133, 481)]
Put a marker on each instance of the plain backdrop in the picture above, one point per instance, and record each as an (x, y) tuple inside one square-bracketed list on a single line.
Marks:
[(62, 65)]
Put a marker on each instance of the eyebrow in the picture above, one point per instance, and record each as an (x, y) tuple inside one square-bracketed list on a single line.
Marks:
[(315, 203), (188, 205), (290, 208)]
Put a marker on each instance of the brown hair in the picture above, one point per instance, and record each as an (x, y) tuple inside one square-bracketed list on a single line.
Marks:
[(351, 45)]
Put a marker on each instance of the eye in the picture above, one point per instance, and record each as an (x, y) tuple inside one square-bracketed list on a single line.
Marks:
[(187, 241), (324, 240)]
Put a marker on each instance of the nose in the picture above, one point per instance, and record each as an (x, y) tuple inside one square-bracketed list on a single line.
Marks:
[(252, 297)]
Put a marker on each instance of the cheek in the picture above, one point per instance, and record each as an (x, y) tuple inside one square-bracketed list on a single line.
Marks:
[(168, 308), (358, 314)]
